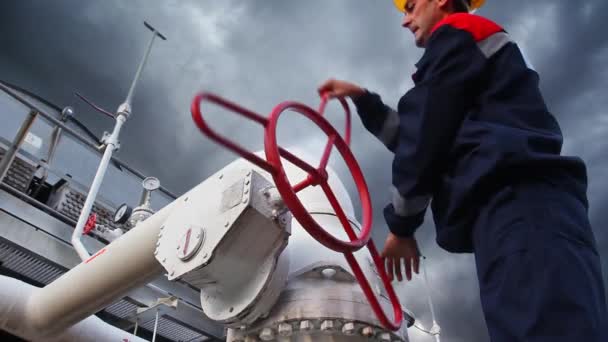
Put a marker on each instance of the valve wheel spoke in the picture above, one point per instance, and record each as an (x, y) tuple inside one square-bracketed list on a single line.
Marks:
[(327, 152), (339, 211)]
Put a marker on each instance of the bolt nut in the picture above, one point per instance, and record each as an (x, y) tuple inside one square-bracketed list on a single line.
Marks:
[(305, 325), (327, 325), (172, 273), (367, 332), (267, 334), (385, 337), (348, 328), (226, 224), (285, 329), (247, 182)]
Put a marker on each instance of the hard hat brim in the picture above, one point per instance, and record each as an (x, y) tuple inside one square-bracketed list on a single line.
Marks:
[(400, 4)]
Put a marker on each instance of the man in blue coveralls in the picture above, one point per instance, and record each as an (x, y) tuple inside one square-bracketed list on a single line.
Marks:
[(474, 134)]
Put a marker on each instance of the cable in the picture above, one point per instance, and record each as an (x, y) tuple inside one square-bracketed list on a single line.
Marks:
[(428, 332), (35, 96), (72, 119), (435, 329), (84, 128)]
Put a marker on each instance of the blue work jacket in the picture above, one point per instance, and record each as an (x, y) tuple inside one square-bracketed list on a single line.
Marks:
[(474, 121)]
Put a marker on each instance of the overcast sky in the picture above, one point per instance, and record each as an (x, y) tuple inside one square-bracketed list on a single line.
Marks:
[(259, 53)]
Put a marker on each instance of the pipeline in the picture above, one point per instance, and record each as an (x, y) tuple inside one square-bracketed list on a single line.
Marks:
[(14, 318), (64, 307)]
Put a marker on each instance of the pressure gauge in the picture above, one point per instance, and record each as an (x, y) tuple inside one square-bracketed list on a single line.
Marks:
[(122, 214), (151, 183)]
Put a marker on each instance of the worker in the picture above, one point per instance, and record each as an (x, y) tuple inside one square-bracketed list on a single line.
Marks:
[(475, 136)]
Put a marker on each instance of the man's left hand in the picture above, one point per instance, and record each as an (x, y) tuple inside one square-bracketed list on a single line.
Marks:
[(397, 249)]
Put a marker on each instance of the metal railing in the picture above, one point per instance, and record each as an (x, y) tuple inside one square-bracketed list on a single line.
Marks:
[(35, 111)]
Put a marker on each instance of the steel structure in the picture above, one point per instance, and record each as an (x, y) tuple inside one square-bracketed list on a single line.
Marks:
[(35, 237)]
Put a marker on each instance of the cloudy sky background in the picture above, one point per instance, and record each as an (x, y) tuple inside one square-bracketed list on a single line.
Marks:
[(259, 53)]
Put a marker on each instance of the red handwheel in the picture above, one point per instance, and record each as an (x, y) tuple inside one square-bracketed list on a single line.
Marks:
[(315, 176), (369, 292), (90, 224), (318, 176)]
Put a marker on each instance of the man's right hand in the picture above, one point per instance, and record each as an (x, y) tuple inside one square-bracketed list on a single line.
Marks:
[(336, 88)]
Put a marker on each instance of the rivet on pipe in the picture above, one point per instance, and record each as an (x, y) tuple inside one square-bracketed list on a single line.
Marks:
[(267, 334), (348, 328), (305, 325), (367, 332), (285, 329)]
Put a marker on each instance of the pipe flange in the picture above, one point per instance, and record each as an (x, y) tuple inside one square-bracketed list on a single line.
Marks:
[(310, 326)]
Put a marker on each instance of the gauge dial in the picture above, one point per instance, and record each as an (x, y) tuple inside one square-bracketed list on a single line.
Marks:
[(122, 214), (151, 183)]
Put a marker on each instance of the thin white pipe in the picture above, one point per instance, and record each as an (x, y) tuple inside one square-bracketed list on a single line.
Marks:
[(155, 327), (430, 301), (139, 69), (111, 144)]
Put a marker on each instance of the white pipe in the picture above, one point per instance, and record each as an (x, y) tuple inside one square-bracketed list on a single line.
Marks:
[(139, 69), (14, 296), (127, 263), (155, 327), (111, 144)]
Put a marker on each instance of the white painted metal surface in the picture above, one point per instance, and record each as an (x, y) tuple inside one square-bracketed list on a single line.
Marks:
[(44, 256), (108, 275), (322, 300), (225, 238), (14, 318), (249, 280)]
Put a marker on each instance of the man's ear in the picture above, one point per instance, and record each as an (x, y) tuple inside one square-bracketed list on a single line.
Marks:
[(444, 4)]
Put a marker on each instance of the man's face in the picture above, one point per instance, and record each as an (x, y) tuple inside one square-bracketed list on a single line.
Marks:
[(421, 16)]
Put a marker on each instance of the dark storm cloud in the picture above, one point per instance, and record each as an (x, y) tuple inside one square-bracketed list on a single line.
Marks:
[(259, 53)]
